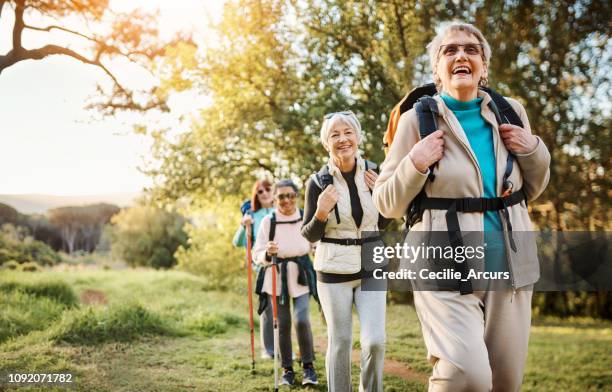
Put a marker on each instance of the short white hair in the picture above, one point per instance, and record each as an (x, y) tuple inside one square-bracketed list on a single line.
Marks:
[(433, 48), (332, 119)]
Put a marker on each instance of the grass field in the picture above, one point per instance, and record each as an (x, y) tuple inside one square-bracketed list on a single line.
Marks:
[(145, 330)]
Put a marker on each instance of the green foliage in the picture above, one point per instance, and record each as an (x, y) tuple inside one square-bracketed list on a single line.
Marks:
[(571, 354), (81, 227), (214, 324), (23, 313), (116, 323), (54, 290), (9, 215), (29, 266), (147, 236), (210, 253), (31, 306), (11, 264), (16, 246), (277, 66)]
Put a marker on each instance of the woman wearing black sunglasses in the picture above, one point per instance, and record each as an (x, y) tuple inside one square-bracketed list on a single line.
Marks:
[(344, 186)]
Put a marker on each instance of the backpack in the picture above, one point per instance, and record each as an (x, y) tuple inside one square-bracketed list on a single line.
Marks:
[(323, 179), (427, 108), (245, 208), (504, 113)]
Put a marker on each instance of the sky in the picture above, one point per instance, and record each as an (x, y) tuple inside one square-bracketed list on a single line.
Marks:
[(49, 143)]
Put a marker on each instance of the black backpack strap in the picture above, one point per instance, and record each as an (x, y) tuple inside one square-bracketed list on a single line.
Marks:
[(505, 119), (272, 227), (323, 180), (427, 110), (413, 96), (505, 111)]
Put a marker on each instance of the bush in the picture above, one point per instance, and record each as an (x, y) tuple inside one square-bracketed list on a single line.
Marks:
[(115, 323), (146, 236), (11, 264), (57, 291), (24, 312), (213, 324), (211, 253), (30, 266), (15, 245)]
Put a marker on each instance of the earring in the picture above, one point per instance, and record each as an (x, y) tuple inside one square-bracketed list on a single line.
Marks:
[(483, 81)]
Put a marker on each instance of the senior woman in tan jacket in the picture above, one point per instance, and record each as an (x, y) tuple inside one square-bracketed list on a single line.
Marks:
[(476, 340)]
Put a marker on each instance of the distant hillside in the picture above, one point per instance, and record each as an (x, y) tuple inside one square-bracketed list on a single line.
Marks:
[(35, 203)]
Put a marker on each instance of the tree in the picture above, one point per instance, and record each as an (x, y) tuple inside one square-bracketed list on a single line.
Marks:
[(279, 66), (132, 36), (147, 236), (81, 227)]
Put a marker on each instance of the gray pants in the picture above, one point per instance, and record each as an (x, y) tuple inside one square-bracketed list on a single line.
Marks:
[(337, 302), (266, 334), (302, 328)]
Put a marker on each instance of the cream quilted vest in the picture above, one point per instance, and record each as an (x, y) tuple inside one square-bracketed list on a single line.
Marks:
[(342, 259)]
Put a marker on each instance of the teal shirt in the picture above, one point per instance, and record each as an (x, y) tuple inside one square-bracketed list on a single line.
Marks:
[(480, 136), (240, 236)]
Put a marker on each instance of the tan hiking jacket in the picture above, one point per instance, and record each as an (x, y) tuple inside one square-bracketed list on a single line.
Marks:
[(458, 175)]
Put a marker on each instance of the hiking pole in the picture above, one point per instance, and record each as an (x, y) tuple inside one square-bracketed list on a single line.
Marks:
[(275, 323), (249, 262)]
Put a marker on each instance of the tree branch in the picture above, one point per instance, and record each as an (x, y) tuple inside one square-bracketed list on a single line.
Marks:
[(400, 28), (55, 27), (19, 24), (49, 50)]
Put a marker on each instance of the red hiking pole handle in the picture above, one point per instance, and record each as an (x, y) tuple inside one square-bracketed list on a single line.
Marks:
[(249, 262)]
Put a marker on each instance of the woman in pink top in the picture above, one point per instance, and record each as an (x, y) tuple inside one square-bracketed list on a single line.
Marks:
[(279, 235)]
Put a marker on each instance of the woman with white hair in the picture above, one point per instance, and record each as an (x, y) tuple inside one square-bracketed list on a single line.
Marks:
[(338, 210), (476, 340)]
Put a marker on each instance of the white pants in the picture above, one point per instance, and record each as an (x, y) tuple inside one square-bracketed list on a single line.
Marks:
[(337, 303)]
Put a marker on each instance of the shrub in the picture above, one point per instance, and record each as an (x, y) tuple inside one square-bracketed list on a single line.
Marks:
[(11, 264), (30, 266), (57, 291), (115, 323), (23, 312), (213, 324)]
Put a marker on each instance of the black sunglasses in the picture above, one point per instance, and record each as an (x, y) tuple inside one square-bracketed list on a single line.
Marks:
[(261, 191), (289, 196)]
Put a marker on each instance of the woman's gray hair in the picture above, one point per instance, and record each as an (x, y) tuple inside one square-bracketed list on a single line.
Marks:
[(332, 119), (433, 48), (283, 183)]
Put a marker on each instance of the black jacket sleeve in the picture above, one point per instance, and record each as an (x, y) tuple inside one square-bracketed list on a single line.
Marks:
[(312, 228)]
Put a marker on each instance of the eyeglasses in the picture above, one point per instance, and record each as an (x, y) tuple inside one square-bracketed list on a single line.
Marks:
[(262, 190), (330, 115), (288, 196), (469, 49)]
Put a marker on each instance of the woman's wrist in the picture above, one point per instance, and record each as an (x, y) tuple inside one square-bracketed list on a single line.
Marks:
[(321, 215), (416, 166)]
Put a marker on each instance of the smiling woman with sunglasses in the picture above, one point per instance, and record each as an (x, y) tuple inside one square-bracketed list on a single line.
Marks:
[(338, 210), (476, 340), (259, 205), (279, 235)]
